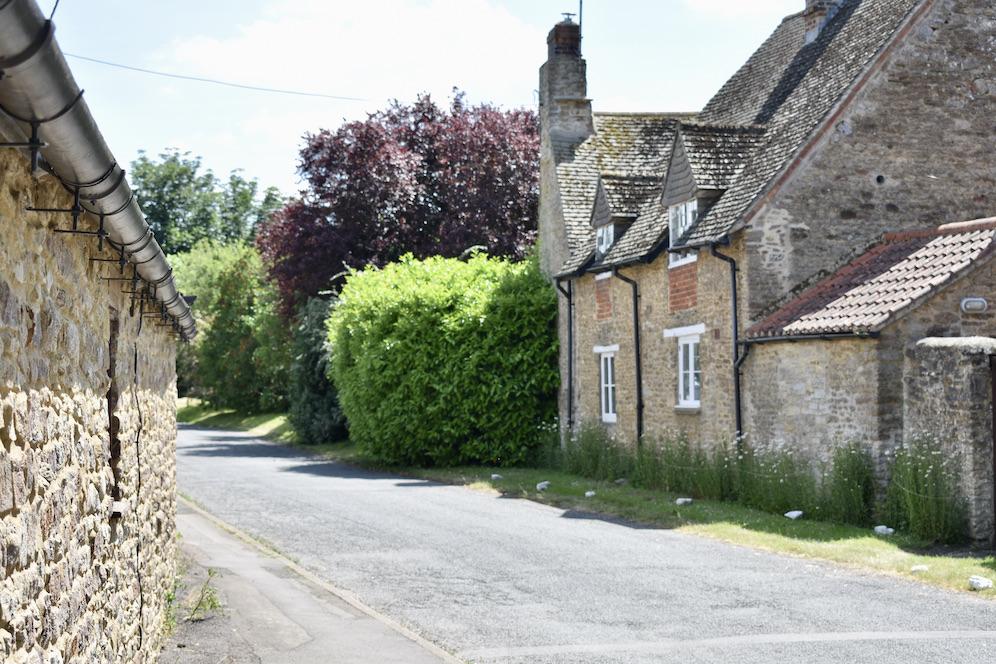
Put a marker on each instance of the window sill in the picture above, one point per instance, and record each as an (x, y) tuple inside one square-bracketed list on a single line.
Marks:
[(687, 410), (607, 419), (685, 260)]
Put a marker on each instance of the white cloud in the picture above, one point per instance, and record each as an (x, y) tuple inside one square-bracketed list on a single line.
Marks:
[(375, 49), (732, 9)]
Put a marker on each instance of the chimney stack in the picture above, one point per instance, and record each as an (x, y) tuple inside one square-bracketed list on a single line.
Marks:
[(817, 14), (565, 110)]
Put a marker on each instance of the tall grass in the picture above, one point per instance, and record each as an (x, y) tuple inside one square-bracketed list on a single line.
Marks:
[(922, 495)]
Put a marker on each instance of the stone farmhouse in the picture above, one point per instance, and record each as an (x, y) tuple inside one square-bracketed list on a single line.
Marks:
[(796, 262), (89, 317)]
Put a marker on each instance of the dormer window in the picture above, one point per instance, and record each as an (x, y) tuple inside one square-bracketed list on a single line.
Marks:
[(604, 237), (681, 217)]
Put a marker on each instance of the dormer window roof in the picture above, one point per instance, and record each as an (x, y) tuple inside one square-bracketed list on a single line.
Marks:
[(618, 203)]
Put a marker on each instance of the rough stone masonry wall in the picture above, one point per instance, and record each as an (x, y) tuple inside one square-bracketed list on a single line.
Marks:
[(714, 421), (812, 396), (940, 316), (75, 584), (949, 399), (914, 150)]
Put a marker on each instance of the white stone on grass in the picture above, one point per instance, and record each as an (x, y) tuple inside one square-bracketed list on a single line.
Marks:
[(589, 494), (794, 514), (919, 569), (979, 583), (495, 477), (884, 530), (683, 501), (543, 486), (621, 481)]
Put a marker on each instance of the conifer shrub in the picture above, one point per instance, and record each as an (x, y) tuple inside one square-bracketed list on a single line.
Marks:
[(442, 361), (314, 406)]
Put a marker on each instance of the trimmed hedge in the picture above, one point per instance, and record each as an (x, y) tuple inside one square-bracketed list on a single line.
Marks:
[(441, 361)]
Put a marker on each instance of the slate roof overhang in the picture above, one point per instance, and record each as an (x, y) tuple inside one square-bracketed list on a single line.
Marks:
[(883, 284)]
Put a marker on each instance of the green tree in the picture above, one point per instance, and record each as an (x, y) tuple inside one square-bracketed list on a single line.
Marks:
[(185, 203), (241, 356)]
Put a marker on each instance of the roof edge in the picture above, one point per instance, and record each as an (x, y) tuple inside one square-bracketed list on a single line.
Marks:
[(819, 131)]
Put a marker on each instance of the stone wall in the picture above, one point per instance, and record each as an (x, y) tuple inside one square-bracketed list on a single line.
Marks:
[(812, 396), (940, 316), (948, 398), (913, 151), (76, 584), (709, 306)]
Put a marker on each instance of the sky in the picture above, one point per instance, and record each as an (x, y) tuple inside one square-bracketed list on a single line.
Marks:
[(643, 55)]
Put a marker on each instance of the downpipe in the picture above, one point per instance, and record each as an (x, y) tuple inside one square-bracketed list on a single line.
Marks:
[(637, 351), (569, 296), (738, 360)]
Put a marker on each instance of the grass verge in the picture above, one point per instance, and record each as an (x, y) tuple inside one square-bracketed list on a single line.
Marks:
[(850, 546)]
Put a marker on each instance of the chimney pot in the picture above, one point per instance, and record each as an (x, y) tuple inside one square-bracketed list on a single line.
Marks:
[(564, 39)]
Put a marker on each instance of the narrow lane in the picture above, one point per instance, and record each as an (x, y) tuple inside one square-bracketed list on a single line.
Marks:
[(504, 580)]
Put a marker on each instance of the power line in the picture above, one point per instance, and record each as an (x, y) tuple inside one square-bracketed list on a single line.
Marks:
[(213, 81), (52, 15)]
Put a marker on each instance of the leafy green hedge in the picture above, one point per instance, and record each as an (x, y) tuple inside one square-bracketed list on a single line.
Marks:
[(441, 361)]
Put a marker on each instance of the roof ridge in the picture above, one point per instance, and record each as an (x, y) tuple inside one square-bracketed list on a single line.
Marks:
[(667, 115), (955, 228), (745, 128)]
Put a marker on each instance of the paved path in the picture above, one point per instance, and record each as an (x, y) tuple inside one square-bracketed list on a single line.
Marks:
[(271, 613), (511, 581)]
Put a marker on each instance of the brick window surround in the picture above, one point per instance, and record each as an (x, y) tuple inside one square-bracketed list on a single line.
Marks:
[(603, 298), (682, 287)]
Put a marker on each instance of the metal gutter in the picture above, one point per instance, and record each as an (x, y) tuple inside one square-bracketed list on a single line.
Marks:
[(38, 90), (811, 337)]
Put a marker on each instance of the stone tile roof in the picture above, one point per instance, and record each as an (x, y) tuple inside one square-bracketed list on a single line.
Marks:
[(803, 83), (625, 146), (892, 277), (626, 194), (787, 88), (717, 154)]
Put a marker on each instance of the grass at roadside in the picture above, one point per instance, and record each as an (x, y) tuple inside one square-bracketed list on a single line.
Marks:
[(846, 545), (273, 426)]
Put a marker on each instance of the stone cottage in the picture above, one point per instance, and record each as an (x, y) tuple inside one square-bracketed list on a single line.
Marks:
[(89, 318), (787, 263)]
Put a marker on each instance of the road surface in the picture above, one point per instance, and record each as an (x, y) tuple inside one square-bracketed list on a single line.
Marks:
[(499, 580)]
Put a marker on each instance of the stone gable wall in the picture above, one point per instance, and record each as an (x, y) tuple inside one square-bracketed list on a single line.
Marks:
[(914, 150), (77, 585)]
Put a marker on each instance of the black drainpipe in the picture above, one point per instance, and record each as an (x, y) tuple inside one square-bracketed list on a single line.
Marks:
[(637, 351), (569, 295), (738, 360)]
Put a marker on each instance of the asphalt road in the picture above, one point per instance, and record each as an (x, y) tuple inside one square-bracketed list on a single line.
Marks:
[(505, 580)]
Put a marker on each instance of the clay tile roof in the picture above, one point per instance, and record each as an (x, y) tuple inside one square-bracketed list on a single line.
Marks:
[(892, 277), (717, 154)]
